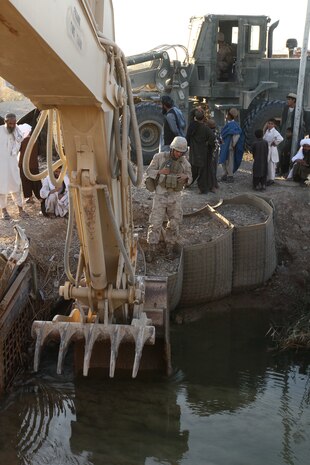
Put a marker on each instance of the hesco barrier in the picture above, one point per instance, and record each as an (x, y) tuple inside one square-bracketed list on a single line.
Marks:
[(242, 258), (174, 285), (208, 269), (254, 250), (15, 323)]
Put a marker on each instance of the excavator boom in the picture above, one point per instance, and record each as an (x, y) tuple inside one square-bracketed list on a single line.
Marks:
[(63, 57)]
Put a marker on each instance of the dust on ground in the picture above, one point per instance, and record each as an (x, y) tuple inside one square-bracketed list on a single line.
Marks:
[(291, 205)]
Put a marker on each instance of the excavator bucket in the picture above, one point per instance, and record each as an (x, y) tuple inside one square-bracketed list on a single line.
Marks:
[(144, 343), (85, 94)]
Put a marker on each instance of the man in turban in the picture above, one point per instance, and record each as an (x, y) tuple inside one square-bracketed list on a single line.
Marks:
[(10, 183), (301, 163)]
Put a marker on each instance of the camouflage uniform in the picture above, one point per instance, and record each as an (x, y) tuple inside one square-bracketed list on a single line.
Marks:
[(167, 197), (224, 62)]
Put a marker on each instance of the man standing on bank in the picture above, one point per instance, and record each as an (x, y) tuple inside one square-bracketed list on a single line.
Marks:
[(233, 146), (274, 138), (10, 183), (201, 141), (288, 117), (171, 171), (174, 123)]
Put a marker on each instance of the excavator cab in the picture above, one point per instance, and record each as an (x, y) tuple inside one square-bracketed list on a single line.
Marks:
[(64, 59)]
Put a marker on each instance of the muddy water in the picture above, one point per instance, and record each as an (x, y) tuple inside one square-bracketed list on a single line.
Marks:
[(230, 401)]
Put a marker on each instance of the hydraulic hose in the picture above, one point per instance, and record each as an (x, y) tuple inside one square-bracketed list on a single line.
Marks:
[(131, 277), (69, 239), (57, 182), (121, 68), (50, 165)]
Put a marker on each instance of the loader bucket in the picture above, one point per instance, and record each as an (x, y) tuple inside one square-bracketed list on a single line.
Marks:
[(143, 344)]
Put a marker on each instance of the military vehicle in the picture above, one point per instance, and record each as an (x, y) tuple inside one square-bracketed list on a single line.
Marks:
[(256, 83)]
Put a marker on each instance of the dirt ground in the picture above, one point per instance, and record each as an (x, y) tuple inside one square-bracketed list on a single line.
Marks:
[(289, 283)]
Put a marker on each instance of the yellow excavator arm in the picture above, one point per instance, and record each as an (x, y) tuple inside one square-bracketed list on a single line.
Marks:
[(63, 57)]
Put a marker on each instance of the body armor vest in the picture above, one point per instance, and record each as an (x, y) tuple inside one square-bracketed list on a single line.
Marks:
[(170, 181)]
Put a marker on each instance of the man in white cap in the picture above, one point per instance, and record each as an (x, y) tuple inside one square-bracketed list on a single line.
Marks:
[(288, 117), (301, 163), (10, 183), (170, 171)]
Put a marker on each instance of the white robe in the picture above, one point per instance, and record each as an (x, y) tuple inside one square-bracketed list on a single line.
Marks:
[(273, 136), (54, 204), (9, 171), (299, 156)]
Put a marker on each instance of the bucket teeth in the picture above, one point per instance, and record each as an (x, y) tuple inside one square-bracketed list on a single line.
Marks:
[(92, 332), (40, 330), (142, 334), (139, 332), (66, 332), (117, 335)]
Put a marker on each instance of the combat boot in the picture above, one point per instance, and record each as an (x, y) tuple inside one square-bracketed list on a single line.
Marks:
[(170, 253), (150, 253)]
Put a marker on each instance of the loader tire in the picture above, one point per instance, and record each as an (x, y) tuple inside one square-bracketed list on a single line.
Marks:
[(150, 122), (258, 116)]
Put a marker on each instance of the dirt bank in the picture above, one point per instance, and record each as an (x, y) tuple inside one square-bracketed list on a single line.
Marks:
[(289, 283), (291, 205)]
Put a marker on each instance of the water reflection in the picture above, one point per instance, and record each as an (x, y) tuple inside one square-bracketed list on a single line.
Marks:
[(244, 405), (35, 422), (136, 421), (230, 401), (91, 421), (223, 359)]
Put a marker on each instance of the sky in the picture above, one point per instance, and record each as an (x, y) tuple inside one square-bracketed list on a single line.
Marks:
[(142, 24)]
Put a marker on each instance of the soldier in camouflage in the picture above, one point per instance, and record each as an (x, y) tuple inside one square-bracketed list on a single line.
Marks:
[(171, 171), (225, 59)]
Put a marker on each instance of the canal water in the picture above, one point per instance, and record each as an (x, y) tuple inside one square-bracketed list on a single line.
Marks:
[(230, 401)]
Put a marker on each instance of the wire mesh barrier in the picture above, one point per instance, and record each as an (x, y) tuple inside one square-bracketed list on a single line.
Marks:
[(16, 315), (254, 250), (241, 258), (208, 266)]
